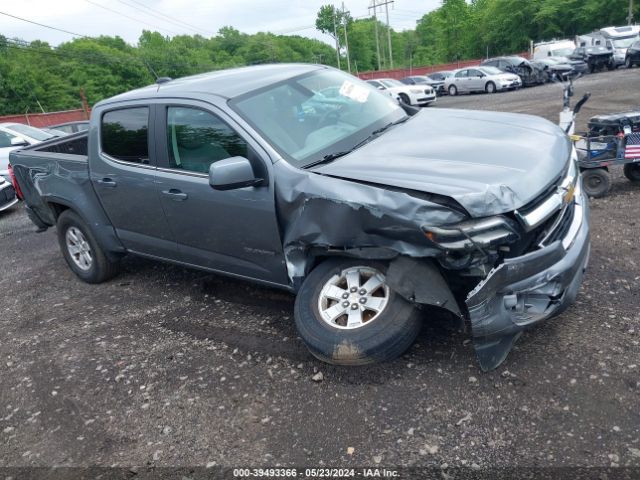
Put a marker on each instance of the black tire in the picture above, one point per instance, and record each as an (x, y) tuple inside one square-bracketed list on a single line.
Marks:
[(100, 268), (453, 90), (596, 182), (404, 98), (632, 172), (490, 87), (628, 63), (592, 68), (386, 337)]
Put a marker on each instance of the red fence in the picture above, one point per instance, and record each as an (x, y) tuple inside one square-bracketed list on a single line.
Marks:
[(406, 72), (46, 119)]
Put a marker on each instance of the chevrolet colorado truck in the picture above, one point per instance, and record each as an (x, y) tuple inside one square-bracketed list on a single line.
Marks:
[(378, 216)]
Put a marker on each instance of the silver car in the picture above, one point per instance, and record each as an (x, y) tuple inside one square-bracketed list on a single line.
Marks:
[(481, 79)]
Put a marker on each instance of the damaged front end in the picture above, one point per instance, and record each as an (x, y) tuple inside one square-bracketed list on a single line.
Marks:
[(513, 269)]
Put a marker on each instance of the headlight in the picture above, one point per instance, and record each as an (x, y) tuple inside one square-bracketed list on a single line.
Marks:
[(473, 234)]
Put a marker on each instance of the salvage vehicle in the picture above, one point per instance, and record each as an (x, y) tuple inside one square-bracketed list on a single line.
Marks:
[(530, 73), (622, 38), (378, 215), (417, 95), (481, 79), (597, 57), (555, 69), (7, 195), (437, 85)]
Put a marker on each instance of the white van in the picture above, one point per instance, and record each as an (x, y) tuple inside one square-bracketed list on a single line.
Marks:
[(621, 38), (560, 49)]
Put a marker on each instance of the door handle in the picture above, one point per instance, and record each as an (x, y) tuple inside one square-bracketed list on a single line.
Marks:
[(175, 194), (107, 182)]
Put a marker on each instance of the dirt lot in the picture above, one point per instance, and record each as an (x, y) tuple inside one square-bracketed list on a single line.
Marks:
[(170, 367)]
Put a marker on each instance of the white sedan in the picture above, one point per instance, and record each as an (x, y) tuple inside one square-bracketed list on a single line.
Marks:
[(16, 135), (7, 195), (420, 95), (481, 79)]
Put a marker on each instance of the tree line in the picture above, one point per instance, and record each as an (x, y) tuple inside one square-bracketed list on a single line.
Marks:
[(34, 76)]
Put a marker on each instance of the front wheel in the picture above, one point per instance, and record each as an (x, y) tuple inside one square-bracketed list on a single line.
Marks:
[(347, 315), (632, 171), (596, 182), (490, 87), (81, 250), (404, 98), (453, 90), (628, 63)]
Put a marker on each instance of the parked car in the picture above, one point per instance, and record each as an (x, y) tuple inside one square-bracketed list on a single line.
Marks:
[(54, 132), (597, 57), (530, 73), (8, 142), (481, 79), (365, 213), (437, 85), (633, 55), (441, 78), (555, 69), (419, 95), (72, 127), (7, 195)]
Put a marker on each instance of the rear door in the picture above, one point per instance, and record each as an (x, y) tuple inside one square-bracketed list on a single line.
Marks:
[(123, 172), (232, 231)]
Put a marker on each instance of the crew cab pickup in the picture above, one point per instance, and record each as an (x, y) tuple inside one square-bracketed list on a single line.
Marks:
[(378, 216)]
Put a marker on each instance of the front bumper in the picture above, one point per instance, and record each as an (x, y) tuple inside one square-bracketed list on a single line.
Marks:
[(7, 196), (526, 290)]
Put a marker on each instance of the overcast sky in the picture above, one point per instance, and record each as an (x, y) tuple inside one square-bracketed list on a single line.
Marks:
[(171, 17)]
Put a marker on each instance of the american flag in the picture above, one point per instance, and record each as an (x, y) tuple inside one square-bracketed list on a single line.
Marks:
[(632, 150)]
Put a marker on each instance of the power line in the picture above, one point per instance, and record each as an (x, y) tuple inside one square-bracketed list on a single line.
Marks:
[(43, 25), (174, 20), (130, 18)]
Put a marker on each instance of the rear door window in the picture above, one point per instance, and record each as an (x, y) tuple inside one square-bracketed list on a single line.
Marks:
[(125, 134)]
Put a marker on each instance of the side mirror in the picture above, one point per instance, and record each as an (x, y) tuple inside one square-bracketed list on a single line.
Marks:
[(232, 173), (381, 88), (19, 142)]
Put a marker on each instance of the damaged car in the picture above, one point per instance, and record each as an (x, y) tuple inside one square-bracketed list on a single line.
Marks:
[(378, 216)]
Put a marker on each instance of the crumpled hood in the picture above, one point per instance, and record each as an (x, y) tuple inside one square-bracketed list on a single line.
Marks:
[(489, 162)]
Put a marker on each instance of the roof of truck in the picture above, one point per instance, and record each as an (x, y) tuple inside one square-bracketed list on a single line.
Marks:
[(225, 83)]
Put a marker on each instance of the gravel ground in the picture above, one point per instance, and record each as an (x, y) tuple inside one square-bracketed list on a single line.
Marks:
[(164, 366)]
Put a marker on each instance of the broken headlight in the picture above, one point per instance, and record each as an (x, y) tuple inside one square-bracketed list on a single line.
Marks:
[(473, 234)]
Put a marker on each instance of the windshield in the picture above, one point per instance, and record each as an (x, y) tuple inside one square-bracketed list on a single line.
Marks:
[(32, 132), (389, 82), (491, 70), (562, 52), (308, 117), (624, 42)]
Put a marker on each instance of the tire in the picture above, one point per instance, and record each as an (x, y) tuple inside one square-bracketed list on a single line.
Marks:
[(453, 90), (592, 68), (404, 98), (632, 171), (628, 63), (383, 336), (490, 87), (81, 251), (596, 182)]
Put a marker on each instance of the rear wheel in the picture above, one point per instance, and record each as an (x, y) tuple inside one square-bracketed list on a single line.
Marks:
[(453, 90), (490, 87), (81, 250), (596, 182), (632, 171), (347, 315)]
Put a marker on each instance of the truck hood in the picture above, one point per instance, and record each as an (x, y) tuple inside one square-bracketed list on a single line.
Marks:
[(489, 162)]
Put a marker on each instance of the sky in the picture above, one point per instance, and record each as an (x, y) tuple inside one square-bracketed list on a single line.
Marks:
[(127, 18)]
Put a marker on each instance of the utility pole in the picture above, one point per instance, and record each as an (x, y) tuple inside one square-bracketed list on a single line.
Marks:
[(346, 38), (386, 7), (335, 35), (375, 4), (375, 24), (630, 16)]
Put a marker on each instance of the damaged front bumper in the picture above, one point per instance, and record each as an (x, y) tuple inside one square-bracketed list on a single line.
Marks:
[(526, 290)]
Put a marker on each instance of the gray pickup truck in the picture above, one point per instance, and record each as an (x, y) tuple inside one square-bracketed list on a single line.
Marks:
[(378, 216)]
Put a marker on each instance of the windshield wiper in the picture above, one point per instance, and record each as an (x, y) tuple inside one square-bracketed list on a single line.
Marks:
[(332, 156)]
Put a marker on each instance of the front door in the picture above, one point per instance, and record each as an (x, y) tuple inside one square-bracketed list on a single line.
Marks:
[(233, 231), (123, 172)]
